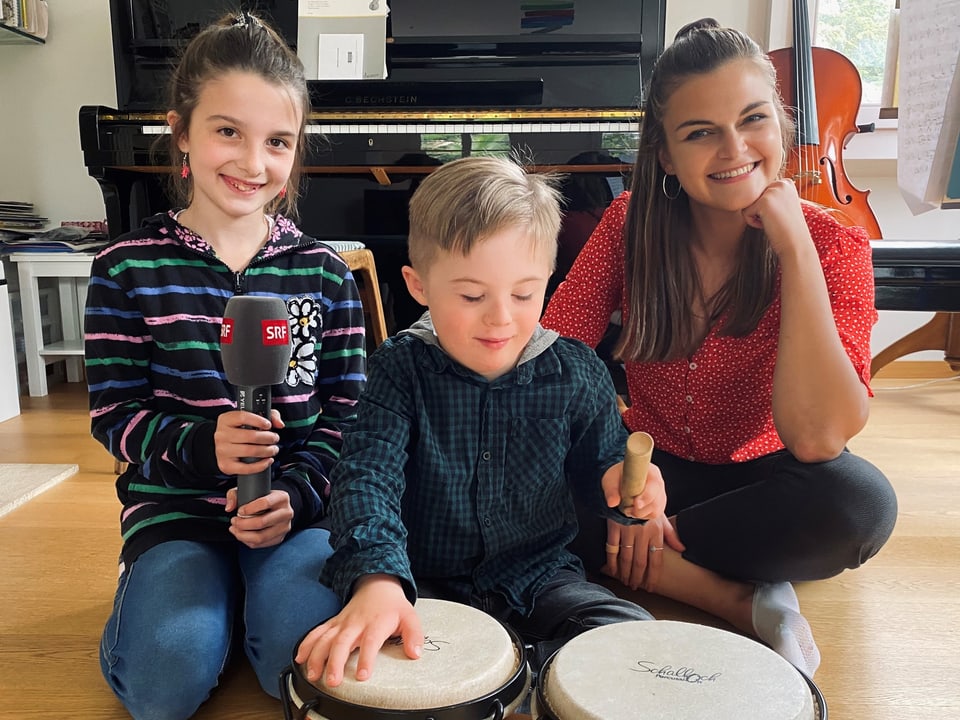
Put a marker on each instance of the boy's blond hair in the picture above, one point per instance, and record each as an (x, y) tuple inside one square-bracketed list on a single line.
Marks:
[(465, 201)]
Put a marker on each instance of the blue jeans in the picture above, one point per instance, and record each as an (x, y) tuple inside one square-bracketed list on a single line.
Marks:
[(169, 637)]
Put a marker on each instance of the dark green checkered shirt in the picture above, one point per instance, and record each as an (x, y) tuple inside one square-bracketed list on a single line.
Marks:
[(446, 476)]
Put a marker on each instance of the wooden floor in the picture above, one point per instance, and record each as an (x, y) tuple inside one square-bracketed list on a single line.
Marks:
[(889, 632)]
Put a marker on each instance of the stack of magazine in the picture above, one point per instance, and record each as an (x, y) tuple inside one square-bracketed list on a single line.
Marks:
[(19, 216), (61, 239)]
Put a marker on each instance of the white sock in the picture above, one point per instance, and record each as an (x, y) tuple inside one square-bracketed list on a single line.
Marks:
[(778, 622)]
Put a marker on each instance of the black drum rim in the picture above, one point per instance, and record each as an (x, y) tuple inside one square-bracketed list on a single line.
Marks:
[(818, 698), (495, 701)]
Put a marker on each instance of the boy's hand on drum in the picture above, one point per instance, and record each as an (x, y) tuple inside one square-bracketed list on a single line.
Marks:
[(377, 611)]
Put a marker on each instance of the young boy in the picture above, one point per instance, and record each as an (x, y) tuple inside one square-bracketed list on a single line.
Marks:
[(475, 425)]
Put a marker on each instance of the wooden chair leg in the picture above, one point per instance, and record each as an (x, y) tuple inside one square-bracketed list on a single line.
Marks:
[(361, 264), (951, 349), (942, 332)]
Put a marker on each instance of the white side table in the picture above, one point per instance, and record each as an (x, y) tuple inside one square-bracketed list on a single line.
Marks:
[(72, 271), (9, 386)]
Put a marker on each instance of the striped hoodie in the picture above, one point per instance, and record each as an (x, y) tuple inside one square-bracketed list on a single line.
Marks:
[(152, 343)]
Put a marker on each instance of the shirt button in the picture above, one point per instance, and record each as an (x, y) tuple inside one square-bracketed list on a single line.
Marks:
[(485, 455), (692, 366), (686, 429), (689, 398), (487, 521), (691, 458)]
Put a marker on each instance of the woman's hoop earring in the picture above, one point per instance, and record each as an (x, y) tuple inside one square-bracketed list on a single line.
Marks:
[(663, 186)]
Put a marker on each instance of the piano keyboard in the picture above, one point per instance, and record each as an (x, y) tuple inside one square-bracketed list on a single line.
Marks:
[(471, 128), (449, 128)]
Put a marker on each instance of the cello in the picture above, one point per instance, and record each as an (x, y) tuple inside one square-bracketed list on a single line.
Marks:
[(825, 114)]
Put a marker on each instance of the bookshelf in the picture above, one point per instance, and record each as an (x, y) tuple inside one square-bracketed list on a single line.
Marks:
[(24, 22), (10, 35)]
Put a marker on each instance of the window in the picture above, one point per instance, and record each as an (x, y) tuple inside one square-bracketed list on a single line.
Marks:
[(858, 29), (450, 146)]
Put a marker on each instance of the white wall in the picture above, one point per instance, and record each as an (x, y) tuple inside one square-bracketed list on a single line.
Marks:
[(43, 87), (751, 16)]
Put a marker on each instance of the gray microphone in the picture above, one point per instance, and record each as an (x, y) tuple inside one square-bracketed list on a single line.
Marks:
[(255, 349)]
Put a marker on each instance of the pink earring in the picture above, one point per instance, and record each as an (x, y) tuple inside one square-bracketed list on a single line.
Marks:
[(184, 168), (283, 192)]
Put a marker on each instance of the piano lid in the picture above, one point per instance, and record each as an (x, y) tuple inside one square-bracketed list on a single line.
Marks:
[(494, 21), (494, 54)]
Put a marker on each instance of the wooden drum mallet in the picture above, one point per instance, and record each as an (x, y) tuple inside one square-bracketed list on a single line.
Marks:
[(636, 462)]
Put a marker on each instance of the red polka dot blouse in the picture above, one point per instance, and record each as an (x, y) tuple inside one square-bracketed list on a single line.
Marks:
[(714, 406)]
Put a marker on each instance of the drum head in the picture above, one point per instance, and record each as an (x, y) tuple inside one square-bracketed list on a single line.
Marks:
[(665, 670), (467, 655)]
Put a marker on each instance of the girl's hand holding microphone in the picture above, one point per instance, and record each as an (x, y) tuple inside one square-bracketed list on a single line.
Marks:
[(246, 444)]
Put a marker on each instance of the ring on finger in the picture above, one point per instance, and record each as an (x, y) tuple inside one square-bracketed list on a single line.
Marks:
[(613, 549), (654, 548)]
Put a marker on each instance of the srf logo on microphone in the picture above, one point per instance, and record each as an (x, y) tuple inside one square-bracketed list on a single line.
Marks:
[(272, 332), (275, 332)]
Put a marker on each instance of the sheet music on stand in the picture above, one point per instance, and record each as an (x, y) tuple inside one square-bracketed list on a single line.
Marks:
[(929, 90)]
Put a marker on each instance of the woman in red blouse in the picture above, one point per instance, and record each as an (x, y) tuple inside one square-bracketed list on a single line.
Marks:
[(746, 341)]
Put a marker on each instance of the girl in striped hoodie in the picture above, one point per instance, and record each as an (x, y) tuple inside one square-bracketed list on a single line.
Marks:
[(195, 568)]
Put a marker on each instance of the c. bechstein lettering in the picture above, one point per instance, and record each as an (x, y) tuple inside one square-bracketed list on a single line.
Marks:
[(382, 100)]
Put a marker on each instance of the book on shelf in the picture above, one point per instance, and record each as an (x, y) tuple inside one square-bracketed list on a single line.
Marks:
[(11, 12), (30, 16)]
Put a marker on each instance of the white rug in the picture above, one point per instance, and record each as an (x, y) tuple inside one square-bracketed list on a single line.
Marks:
[(21, 482)]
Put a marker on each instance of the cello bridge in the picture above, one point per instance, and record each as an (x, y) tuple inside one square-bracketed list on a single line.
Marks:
[(806, 178)]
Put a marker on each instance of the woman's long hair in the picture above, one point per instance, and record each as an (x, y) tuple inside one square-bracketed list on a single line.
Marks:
[(661, 276)]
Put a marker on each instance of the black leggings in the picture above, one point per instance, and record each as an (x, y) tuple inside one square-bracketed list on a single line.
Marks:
[(772, 519)]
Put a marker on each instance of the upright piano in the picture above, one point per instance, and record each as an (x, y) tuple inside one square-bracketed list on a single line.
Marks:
[(557, 84)]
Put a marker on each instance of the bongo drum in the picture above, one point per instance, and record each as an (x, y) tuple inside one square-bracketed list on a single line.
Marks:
[(472, 667), (660, 670)]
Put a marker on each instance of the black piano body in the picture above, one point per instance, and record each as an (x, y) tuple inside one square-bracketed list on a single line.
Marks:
[(562, 97)]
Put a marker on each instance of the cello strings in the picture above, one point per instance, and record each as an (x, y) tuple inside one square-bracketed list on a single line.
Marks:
[(802, 90), (806, 92)]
